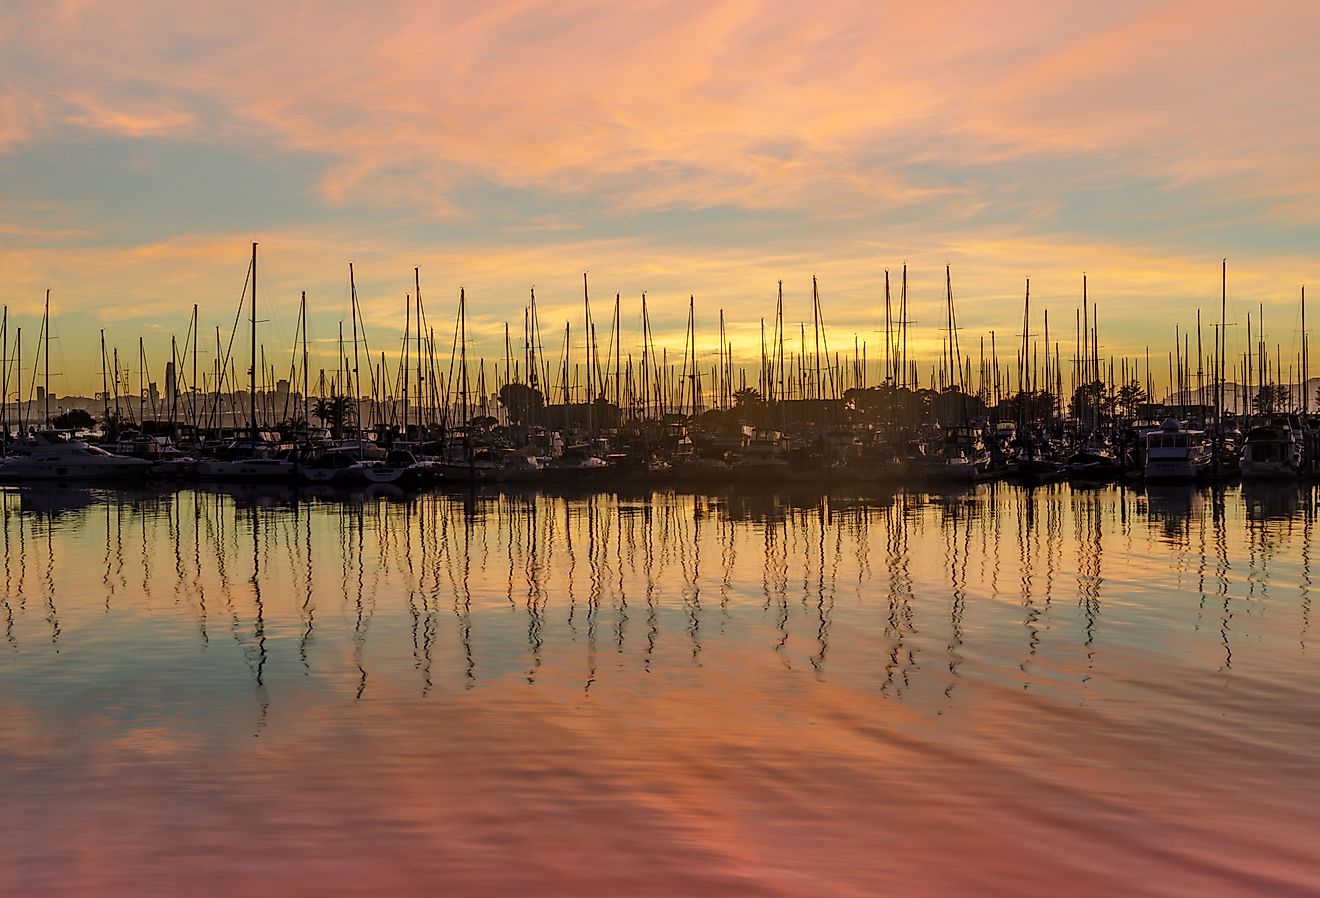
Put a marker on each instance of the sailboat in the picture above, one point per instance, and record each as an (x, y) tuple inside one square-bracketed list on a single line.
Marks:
[(52, 454), (257, 460)]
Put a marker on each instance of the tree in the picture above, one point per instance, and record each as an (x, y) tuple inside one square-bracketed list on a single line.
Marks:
[(1087, 400), (746, 396), (1131, 397), (73, 419), (523, 403), (749, 405), (334, 413), (1270, 398)]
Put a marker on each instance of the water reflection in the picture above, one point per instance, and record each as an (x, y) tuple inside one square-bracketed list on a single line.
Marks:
[(700, 569), (681, 664)]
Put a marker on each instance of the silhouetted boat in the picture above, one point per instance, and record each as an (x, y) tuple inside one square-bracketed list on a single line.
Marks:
[(53, 455)]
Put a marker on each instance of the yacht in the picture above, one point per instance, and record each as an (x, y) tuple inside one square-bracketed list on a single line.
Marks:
[(764, 459), (248, 462), (54, 455), (401, 468), (961, 457), (1271, 452), (1174, 452)]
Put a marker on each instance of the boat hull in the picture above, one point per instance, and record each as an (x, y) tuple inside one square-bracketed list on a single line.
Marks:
[(123, 469)]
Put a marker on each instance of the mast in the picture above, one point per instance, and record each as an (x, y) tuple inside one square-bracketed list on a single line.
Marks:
[(462, 350), (4, 379), (45, 352), (252, 372), (777, 393), (587, 341), (815, 328), (105, 389), (417, 290), (18, 377), (618, 357), (888, 319), (903, 322), (403, 370), (142, 389), (647, 360), (306, 386), (174, 390), (1222, 354), (196, 338), (508, 356), (357, 371)]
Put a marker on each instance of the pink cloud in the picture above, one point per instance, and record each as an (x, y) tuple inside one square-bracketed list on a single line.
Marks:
[(674, 103)]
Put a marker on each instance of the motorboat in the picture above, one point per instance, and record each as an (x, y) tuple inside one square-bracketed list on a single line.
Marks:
[(335, 466), (1093, 464), (764, 459), (1031, 462), (55, 455), (248, 462), (1175, 452), (400, 468), (959, 458), (1271, 452)]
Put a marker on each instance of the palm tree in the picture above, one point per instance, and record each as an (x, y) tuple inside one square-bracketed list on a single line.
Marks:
[(333, 412)]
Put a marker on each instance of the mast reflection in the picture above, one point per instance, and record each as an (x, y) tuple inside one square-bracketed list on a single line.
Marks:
[(579, 589)]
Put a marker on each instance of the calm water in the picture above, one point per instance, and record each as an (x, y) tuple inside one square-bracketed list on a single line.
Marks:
[(998, 692)]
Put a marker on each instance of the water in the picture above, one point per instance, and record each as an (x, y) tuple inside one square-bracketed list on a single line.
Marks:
[(998, 692)]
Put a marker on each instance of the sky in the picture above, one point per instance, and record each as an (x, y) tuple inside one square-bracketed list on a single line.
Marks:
[(707, 149)]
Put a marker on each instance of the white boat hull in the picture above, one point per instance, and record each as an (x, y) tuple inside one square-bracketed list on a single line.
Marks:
[(118, 469)]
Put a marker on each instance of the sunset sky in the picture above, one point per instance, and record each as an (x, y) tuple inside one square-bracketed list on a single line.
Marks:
[(707, 148)]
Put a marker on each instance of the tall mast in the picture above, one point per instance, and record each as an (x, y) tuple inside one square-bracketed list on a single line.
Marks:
[(417, 289), (4, 378), (403, 371), (568, 331), (647, 361), (815, 327), (45, 352), (357, 372), (174, 390), (719, 381), (888, 321), (306, 386), (1200, 364), (586, 341), (462, 350), (903, 321), (142, 389), (252, 373), (777, 368), (618, 356), (196, 337), (105, 388), (18, 376)]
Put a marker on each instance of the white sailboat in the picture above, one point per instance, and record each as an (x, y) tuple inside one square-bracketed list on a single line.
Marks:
[(54, 455)]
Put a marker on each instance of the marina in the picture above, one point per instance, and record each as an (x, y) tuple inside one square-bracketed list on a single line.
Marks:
[(728, 449), (812, 416)]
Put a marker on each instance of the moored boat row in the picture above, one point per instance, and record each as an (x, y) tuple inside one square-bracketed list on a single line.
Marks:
[(1169, 451)]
